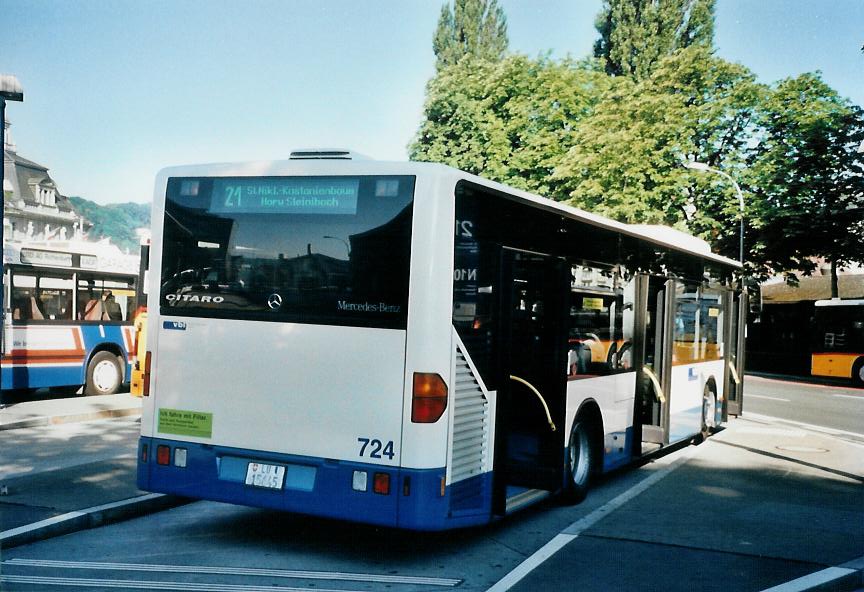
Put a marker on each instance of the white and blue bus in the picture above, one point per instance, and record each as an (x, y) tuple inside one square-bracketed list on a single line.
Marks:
[(409, 345), (68, 318)]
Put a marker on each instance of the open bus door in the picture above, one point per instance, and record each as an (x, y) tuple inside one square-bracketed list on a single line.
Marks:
[(529, 449), (654, 330), (734, 380)]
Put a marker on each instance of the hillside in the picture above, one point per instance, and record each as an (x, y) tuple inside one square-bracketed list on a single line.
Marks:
[(116, 221)]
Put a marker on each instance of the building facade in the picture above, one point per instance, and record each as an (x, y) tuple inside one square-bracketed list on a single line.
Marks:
[(34, 209)]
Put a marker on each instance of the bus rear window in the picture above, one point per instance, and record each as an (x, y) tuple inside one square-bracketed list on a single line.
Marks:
[(319, 250)]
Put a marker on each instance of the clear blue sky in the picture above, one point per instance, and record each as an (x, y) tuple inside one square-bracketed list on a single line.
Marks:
[(116, 90)]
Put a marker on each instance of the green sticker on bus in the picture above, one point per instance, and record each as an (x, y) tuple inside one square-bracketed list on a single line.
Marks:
[(185, 423)]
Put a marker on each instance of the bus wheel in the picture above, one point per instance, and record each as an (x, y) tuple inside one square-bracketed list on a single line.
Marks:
[(709, 413), (579, 466), (858, 372), (104, 374)]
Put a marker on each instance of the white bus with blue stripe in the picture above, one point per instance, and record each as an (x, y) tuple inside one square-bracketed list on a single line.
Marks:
[(67, 323), (409, 345)]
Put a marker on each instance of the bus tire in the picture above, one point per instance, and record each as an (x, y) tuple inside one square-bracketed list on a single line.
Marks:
[(579, 462), (709, 413), (104, 374), (858, 372)]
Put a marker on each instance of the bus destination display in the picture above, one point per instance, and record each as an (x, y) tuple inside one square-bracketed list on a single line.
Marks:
[(309, 195)]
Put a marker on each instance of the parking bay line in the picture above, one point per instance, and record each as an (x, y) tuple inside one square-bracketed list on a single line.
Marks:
[(91, 583), (574, 530), (749, 396), (235, 571)]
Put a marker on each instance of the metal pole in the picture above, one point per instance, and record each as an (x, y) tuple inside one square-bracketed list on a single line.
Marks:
[(2, 225), (740, 214), (701, 166)]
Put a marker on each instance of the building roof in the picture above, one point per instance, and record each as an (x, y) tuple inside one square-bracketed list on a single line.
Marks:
[(813, 288), (25, 176)]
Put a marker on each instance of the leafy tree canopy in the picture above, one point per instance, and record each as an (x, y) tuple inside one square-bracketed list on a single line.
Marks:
[(615, 144), (510, 121), (635, 35), (476, 28), (806, 178), (626, 159)]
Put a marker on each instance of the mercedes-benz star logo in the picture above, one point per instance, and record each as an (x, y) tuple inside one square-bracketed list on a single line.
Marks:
[(274, 301)]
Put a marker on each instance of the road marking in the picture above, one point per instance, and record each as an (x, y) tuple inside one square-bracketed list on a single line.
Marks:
[(814, 580), (856, 397), (749, 396), (574, 530), (69, 517), (142, 585), (809, 426), (236, 571)]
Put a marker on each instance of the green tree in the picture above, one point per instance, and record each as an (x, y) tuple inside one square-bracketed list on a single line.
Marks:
[(476, 28), (511, 121), (806, 177), (636, 34), (626, 158)]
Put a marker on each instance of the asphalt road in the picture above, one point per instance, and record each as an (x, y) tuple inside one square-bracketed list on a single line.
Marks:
[(758, 504), (834, 407)]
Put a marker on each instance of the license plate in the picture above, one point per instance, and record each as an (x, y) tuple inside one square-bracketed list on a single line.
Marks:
[(267, 476)]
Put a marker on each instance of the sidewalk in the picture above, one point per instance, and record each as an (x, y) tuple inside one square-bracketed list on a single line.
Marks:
[(760, 504), (71, 409), (80, 489)]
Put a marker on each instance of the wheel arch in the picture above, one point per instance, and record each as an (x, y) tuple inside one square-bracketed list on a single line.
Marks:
[(113, 349), (857, 367), (589, 412)]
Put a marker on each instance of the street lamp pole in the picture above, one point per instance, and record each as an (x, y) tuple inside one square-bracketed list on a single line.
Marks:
[(701, 166), (10, 90)]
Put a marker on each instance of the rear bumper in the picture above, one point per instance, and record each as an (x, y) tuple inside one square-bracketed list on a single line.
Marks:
[(319, 487)]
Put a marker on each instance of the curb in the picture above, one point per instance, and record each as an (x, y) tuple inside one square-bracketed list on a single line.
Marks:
[(45, 420), (89, 518)]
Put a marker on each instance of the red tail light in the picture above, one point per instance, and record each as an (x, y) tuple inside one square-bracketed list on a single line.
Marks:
[(145, 379), (429, 399), (381, 483), (163, 455)]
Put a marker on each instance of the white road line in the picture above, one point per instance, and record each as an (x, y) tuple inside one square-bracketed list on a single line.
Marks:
[(50, 522), (814, 580), (749, 396), (235, 571), (856, 397), (142, 585), (809, 426), (570, 533)]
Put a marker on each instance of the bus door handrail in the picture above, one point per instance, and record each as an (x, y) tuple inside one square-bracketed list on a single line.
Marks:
[(655, 382), (539, 396), (735, 376)]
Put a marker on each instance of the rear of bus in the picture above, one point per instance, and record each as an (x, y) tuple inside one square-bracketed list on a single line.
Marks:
[(277, 347)]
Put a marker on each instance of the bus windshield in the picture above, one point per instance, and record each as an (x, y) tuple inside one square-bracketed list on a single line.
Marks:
[(318, 250)]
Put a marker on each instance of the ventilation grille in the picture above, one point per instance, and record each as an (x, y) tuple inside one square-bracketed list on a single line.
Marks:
[(326, 154), (470, 424)]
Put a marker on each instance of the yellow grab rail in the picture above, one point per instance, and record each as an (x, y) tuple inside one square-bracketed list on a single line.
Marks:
[(658, 390), (539, 396), (735, 376)]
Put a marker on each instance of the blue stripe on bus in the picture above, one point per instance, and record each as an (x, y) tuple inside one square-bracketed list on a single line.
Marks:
[(19, 377), (218, 473), (42, 375)]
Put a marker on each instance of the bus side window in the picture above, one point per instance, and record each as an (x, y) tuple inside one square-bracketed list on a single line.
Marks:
[(93, 310), (35, 312)]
